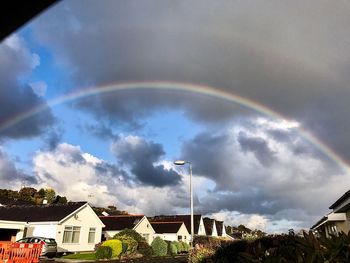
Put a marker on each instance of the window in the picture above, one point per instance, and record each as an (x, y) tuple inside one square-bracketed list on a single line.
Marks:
[(179, 238), (71, 234), (92, 232)]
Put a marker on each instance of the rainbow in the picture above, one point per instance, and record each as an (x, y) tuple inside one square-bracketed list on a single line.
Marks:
[(183, 87)]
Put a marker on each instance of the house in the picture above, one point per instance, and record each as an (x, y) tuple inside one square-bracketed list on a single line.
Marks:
[(171, 231), (336, 221), (220, 228), (139, 223), (74, 225), (210, 227), (198, 224)]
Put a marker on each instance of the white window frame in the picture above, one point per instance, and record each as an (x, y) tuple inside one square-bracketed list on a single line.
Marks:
[(73, 233), (92, 235)]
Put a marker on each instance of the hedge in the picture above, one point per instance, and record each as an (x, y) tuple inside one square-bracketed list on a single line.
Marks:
[(115, 245)]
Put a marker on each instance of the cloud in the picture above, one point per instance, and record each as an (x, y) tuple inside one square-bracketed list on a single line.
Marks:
[(15, 98), (10, 176), (81, 176), (298, 67), (142, 157), (39, 88), (258, 146), (245, 184)]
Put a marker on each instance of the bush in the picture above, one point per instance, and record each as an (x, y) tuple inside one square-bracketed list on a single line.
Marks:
[(186, 247), (97, 246), (145, 249), (178, 246), (115, 245), (200, 253), (130, 233), (130, 242), (103, 252), (172, 249), (211, 242), (159, 247)]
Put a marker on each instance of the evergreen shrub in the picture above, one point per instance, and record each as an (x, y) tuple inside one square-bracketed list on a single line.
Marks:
[(159, 247), (145, 249), (103, 252), (130, 242), (172, 249), (131, 233), (115, 245)]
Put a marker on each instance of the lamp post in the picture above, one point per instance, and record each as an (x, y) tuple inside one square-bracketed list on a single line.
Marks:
[(182, 162)]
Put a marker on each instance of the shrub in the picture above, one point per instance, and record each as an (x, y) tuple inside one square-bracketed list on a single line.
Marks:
[(103, 252), (178, 246), (130, 233), (145, 249), (200, 253), (124, 248), (159, 247), (186, 247), (130, 242), (97, 246), (115, 245), (211, 242), (172, 250)]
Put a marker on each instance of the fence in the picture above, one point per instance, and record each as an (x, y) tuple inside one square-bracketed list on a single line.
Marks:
[(19, 252)]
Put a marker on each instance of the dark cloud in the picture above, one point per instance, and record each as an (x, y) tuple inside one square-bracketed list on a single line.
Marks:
[(298, 67), (258, 147), (17, 99), (10, 175), (141, 157), (244, 183)]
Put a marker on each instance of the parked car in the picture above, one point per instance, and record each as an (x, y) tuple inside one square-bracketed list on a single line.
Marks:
[(49, 245)]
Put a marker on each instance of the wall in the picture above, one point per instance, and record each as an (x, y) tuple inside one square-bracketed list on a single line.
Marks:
[(145, 229), (85, 218), (201, 228), (184, 233)]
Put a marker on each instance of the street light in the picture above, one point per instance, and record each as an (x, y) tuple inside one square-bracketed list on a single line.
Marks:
[(182, 162)]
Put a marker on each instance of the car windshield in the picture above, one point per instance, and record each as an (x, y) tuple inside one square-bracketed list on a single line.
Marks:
[(49, 241)]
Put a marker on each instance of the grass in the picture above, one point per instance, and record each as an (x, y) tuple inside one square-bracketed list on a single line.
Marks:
[(81, 256)]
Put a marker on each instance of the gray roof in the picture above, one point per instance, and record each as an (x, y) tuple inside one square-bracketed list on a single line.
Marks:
[(39, 213)]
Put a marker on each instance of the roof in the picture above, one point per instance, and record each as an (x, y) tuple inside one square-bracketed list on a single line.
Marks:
[(219, 227), (120, 222), (11, 201), (319, 222), (39, 213), (208, 225), (179, 218), (340, 200), (166, 227)]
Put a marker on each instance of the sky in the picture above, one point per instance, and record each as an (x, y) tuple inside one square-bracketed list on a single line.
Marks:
[(97, 100)]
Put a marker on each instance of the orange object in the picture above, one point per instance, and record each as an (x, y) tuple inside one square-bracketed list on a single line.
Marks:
[(19, 252)]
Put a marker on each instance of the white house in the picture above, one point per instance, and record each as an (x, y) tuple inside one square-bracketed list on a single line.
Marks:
[(74, 225), (220, 228), (210, 227), (139, 223), (199, 228), (171, 231)]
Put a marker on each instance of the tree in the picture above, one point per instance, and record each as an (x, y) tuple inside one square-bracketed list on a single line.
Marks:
[(41, 192), (50, 195), (27, 193)]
